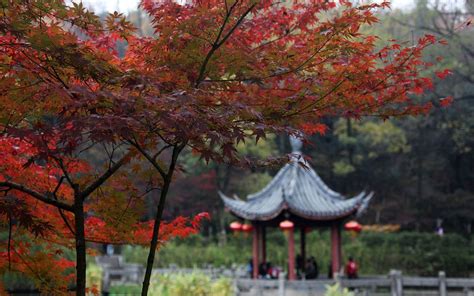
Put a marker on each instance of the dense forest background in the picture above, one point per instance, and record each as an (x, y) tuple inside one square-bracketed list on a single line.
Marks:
[(420, 168)]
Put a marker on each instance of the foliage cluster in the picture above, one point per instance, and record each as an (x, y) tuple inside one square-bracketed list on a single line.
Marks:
[(178, 284), (336, 290)]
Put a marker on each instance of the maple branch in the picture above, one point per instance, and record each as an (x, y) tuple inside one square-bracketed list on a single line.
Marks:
[(202, 38), (37, 195), (150, 158), (22, 87), (161, 150), (65, 172), (61, 213), (104, 177), (47, 71), (298, 68), (68, 225), (226, 19), (45, 282), (464, 76), (159, 214), (10, 227), (58, 77), (60, 182), (148, 190), (463, 98), (237, 24), (87, 147), (301, 111), (287, 33), (307, 60), (226, 6), (218, 43), (436, 30), (110, 154)]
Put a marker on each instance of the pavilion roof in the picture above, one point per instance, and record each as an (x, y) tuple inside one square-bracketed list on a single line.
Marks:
[(297, 188)]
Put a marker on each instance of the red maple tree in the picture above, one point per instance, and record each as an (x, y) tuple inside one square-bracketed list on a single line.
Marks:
[(216, 73)]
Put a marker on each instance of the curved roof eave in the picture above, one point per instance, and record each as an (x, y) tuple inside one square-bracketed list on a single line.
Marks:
[(355, 205), (238, 208)]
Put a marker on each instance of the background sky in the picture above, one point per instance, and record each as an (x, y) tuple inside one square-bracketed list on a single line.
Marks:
[(128, 5)]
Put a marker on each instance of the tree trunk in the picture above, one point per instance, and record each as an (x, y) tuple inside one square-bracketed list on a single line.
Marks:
[(154, 239), (80, 247), (350, 147), (419, 160), (156, 225)]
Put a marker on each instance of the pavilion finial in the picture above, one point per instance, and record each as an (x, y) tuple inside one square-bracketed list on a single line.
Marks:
[(296, 144)]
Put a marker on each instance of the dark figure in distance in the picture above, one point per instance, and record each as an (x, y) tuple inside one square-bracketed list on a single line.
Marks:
[(330, 275), (351, 268), (300, 265), (250, 268), (272, 271), (312, 270), (262, 270)]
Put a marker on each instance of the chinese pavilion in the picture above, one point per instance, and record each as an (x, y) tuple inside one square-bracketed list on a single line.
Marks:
[(296, 198)]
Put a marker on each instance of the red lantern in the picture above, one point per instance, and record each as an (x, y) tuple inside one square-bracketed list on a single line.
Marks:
[(286, 225), (236, 226), (353, 226), (247, 228)]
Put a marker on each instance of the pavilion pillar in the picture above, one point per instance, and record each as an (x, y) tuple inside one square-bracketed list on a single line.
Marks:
[(255, 245), (336, 247), (263, 244), (303, 248), (291, 255)]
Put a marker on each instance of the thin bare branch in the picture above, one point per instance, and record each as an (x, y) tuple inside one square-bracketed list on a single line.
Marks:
[(104, 177), (35, 194), (219, 42)]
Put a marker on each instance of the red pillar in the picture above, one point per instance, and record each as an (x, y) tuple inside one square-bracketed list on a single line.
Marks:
[(291, 255), (336, 246), (263, 245), (255, 251)]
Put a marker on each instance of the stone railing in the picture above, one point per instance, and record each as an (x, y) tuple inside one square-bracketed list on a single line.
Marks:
[(394, 284), (115, 271)]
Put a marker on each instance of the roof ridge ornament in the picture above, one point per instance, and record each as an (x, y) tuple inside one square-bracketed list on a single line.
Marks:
[(296, 144)]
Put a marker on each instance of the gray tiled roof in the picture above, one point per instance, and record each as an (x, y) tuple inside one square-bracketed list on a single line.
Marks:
[(298, 189)]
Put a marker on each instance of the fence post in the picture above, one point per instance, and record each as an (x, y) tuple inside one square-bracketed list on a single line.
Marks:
[(235, 287), (442, 283), (337, 279), (281, 284), (397, 285), (391, 275)]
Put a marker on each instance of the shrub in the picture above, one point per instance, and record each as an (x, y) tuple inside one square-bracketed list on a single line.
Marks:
[(126, 290), (94, 278), (335, 290), (176, 284)]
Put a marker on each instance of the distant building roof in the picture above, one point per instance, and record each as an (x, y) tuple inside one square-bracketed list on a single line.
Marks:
[(298, 189)]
